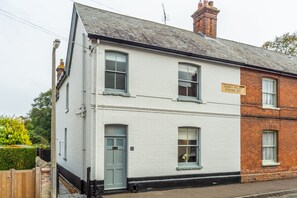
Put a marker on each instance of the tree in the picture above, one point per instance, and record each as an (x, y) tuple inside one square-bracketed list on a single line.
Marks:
[(286, 44), (13, 131), (39, 124)]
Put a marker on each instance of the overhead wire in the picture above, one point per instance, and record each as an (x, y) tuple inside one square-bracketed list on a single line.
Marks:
[(102, 4), (107, 6), (42, 29), (35, 26)]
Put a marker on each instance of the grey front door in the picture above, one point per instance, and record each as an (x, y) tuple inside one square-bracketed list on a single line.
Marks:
[(115, 163)]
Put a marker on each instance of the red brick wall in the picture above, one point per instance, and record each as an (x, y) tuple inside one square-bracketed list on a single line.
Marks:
[(255, 119)]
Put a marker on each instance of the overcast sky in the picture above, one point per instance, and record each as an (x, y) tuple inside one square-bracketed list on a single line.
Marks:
[(25, 59)]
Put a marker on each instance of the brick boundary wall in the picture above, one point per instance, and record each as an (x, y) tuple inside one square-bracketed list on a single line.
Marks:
[(246, 178), (45, 182)]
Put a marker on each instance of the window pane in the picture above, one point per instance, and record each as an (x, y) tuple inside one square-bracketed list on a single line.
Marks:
[(182, 154), (264, 139), (264, 86), (182, 72), (121, 81), (121, 58), (268, 154), (270, 86), (265, 98), (268, 139), (120, 142), (121, 66), (192, 73), (182, 136), (192, 89), (110, 56), (192, 152), (110, 65), (109, 142), (273, 100), (192, 136), (182, 88), (109, 80)]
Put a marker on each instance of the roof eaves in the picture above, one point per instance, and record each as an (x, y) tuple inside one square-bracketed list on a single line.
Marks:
[(199, 56), (62, 80)]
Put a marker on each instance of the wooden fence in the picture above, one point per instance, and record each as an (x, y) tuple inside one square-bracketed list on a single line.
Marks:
[(20, 183)]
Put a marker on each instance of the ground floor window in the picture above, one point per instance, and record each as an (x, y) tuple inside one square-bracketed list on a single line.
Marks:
[(269, 147), (188, 146)]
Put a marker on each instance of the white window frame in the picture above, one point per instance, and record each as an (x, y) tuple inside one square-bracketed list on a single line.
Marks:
[(65, 145), (117, 72), (273, 161), (67, 98), (186, 164), (274, 94), (189, 81)]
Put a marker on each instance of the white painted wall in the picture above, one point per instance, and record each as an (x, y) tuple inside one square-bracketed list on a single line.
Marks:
[(154, 136), (153, 114), (72, 119)]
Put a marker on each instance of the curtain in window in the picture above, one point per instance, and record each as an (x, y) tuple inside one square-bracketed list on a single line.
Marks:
[(269, 146), (268, 92)]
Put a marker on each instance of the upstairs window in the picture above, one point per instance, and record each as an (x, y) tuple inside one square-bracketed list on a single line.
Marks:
[(269, 97), (188, 82), (116, 71)]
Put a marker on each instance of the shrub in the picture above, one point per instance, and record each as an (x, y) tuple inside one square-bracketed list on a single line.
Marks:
[(17, 158), (13, 131)]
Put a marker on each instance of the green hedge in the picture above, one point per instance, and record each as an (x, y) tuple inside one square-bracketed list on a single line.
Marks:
[(17, 158)]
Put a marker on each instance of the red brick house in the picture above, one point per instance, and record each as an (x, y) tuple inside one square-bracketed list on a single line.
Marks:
[(268, 125)]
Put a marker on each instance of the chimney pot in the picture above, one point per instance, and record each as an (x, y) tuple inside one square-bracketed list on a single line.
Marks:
[(210, 3), (200, 5), (205, 2), (60, 70)]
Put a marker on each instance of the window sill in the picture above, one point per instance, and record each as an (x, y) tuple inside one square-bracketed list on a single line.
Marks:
[(270, 163), (115, 93), (186, 99), (271, 108), (180, 168)]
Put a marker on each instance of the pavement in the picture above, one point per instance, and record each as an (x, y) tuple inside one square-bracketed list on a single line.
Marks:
[(286, 188), (64, 192)]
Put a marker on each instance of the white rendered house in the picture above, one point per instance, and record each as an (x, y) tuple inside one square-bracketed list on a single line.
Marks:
[(141, 104)]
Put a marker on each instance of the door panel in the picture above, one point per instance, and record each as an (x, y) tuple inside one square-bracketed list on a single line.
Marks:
[(115, 163)]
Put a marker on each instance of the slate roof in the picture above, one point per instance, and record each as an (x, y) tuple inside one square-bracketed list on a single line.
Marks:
[(120, 27)]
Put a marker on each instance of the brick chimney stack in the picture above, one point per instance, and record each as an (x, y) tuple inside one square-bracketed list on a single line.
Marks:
[(60, 70), (205, 19)]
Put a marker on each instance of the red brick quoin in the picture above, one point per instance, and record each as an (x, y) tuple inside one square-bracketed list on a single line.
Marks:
[(255, 119)]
